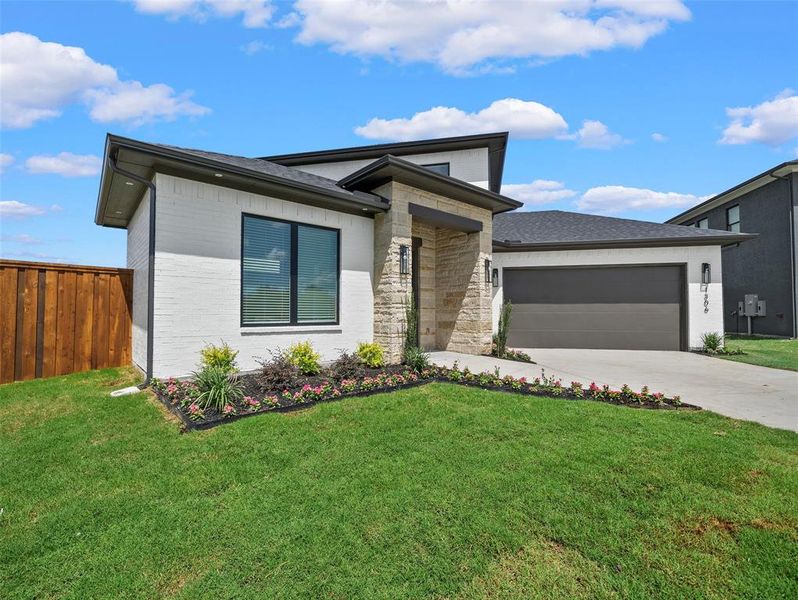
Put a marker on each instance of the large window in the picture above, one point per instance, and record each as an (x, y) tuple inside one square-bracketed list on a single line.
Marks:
[(733, 218), (289, 273)]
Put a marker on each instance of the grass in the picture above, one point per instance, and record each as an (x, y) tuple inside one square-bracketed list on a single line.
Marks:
[(433, 492), (778, 353)]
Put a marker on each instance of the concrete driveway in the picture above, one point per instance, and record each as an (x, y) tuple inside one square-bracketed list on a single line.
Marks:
[(737, 390)]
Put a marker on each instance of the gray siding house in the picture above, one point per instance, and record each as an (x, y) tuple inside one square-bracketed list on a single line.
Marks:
[(766, 205)]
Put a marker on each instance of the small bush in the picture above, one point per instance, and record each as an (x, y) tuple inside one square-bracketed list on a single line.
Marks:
[(217, 389), (222, 356), (305, 358), (347, 366), (278, 373), (416, 359), (504, 326), (712, 341), (371, 354), (411, 324)]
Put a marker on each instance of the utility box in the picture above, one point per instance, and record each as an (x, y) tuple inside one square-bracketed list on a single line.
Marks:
[(752, 306), (760, 308)]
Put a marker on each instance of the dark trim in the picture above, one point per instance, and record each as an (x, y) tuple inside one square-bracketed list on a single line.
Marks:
[(444, 219), (684, 313), (294, 276), (739, 217), (390, 167), (415, 283), (111, 163), (236, 177), (626, 243), (718, 198)]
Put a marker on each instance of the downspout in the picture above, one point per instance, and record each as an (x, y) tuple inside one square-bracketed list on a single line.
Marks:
[(150, 265), (793, 258)]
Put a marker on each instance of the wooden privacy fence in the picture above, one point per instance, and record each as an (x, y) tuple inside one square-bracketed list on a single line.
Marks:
[(57, 319)]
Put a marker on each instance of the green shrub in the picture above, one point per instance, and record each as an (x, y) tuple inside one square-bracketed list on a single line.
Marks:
[(305, 358), (370, 354), (411, 324), (504, 325), (217, 388), (222, 356), (712, 341), (416, 359)]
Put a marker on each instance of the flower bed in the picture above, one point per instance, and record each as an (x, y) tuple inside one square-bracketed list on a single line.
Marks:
[(181, 396)]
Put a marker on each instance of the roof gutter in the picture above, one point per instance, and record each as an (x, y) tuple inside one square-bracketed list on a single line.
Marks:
[(789, 179), (517, 246), (111, 161)]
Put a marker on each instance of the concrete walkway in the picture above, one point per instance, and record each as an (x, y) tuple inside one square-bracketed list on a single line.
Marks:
[(737, 390)]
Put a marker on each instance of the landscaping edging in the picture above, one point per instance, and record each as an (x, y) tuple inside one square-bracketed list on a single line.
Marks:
[(510, 385)]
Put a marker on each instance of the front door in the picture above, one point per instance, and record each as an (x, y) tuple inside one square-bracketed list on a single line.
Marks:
[(415, 269)]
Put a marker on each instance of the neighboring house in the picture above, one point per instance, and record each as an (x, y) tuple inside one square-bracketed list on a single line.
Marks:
[(330, 246), (766, 266)]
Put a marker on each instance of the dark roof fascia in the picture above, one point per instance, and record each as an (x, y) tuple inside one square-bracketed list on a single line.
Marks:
[(496, 143), (392, 168), (300, 190), (505, 246), (444, 219), (762, 179)]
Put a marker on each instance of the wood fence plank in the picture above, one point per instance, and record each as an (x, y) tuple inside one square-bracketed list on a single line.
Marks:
[(101, 322), (84, 301), (30, 305), (65, 337), (127, 321), (40, 297), (50, 325), (118, 313), (8, 322)]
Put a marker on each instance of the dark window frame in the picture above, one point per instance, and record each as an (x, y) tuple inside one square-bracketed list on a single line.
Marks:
[(702, 220), (294, 282), (442, 164), (738, 222)]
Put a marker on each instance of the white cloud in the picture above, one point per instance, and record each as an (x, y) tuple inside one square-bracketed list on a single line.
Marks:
[(36, 256), (253, 47), (254, 13), (658, 137), (65, 164), (6, 160), (458, 36), (20, 210), (56, 208), (540, 191), (523, 119), (773, 122), (39, 79), (610, 199), (595, 134), (20, 238)]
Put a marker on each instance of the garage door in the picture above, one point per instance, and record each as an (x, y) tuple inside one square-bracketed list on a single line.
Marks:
[(630, 308)]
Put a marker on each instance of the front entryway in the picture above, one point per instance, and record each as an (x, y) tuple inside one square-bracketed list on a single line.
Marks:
[(614, 307)]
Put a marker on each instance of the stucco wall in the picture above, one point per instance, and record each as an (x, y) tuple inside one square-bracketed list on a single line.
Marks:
[(466, 165), (138, 236), (698, 322), (198, 276)]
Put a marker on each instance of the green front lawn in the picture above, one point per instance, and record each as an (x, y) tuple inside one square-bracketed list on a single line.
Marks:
[(433, 492), (778, 353)]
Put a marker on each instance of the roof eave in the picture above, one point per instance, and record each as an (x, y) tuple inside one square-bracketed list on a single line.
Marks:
[(390, 167), (505, 246)]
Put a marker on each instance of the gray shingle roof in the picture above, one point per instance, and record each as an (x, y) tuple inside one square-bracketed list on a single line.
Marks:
[(557, 227), (263, 166)]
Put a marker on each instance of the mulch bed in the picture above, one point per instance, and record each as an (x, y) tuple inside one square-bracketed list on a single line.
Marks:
[(175, 395)]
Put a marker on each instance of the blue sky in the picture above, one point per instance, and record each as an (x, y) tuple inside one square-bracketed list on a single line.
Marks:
[(582, 87)]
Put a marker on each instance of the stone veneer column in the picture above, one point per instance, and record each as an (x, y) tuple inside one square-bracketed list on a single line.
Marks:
[(462, 298)]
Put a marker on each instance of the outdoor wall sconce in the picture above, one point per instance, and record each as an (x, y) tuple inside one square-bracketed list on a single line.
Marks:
[(706, 273), (495, 277), (404, 260), (487, 270)]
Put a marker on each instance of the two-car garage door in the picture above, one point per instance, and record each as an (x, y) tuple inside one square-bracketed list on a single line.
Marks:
[(623, 307)]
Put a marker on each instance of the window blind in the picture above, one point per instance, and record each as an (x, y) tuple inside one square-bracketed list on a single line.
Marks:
[(317, 274), (266, 272)]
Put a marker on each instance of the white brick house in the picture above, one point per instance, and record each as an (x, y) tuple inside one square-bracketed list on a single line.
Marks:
[(330, 246)]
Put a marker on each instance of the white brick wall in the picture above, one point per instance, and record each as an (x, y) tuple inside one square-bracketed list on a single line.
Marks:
[(466, 165), (197, 276), (138, 235), (698, 321)]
